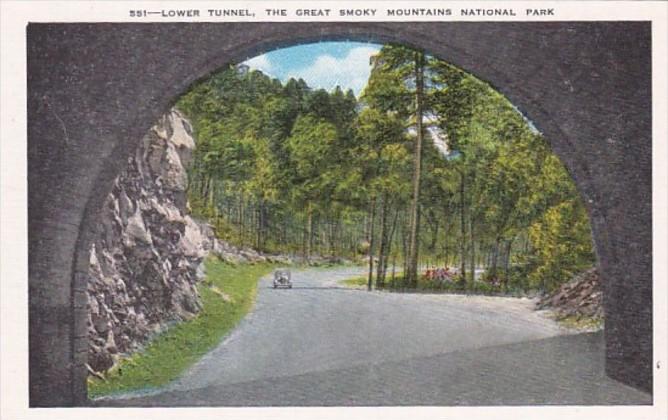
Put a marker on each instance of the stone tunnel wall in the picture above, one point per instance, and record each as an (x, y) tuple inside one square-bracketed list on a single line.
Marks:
[(586, 86)]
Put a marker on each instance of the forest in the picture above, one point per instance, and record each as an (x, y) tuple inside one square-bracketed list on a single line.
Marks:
[(428, 167)]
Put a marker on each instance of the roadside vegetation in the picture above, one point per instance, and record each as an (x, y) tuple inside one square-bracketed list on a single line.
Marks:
[(428, 171), (399, 284), (354, 282), (429, 167), (581, 322), (227, 294)]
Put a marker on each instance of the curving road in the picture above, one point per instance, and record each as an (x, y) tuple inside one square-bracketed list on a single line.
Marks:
[(320, 344)]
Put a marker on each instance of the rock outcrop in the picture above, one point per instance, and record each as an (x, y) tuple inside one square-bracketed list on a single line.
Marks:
[(581, 296), (148, 253)]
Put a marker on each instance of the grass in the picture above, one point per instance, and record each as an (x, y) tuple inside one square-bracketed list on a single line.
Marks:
[(227, 294), (426, 285), (354, 282), (581, 322)]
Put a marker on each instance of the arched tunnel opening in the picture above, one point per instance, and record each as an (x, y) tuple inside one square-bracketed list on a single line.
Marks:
[(313, 236)]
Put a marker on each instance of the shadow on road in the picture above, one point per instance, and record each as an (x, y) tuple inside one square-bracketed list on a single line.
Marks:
[(563, 370), (314, 288)]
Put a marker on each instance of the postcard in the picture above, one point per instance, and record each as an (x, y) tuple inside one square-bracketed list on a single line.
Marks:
[(334, 209)]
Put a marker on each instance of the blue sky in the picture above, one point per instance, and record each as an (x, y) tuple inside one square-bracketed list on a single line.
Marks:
[(321, 65)]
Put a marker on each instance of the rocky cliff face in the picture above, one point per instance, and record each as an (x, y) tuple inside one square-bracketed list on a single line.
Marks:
[(147, 256)]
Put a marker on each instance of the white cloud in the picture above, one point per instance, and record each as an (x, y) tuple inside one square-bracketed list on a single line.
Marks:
[(260, 62), (326, 71), (351, 71)]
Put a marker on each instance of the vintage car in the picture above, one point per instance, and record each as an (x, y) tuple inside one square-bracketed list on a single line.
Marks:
[(282, 278)]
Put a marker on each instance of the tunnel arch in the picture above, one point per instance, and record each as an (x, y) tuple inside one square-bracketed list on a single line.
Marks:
[(585, 85)]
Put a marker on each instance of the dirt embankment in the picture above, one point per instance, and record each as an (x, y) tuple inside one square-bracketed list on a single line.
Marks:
[(579, 299)]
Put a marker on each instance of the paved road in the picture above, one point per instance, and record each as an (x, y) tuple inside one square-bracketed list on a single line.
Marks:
[(320, 344)]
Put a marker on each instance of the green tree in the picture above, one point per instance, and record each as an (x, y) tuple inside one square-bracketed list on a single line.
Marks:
[(430, 165), (312, 146)]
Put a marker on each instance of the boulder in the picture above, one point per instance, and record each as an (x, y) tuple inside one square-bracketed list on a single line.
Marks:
[(136, 231), (193, 240)]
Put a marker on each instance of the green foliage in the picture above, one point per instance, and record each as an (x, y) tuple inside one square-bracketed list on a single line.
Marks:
[(312, 147), (562, 240), (582, 323), (285, 168), (268, 162), (354, 282), (227, 294), (424, 284)]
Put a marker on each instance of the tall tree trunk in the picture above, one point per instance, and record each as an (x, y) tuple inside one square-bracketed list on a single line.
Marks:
[(434, 233), (334, 236), (417, 247), (388, 250), (462, 220), (204, 188), (258, 235), (488, 258), (404, 243), (309, 232), (266, 224), (305, 233), (240, 219), (312, 236), (471, 229), (506, 263), (211, 192), (284, 230), (417, 163), (446, 247), (495, 256), (371, 242), (383, 241), (229, 209)]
